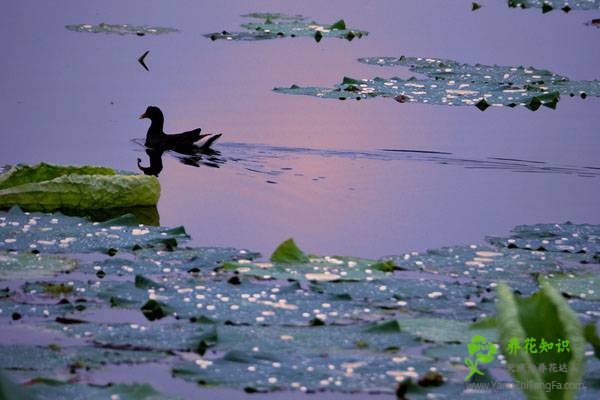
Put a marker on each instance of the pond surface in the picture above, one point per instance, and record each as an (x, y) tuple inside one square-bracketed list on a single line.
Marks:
[(365, 179), (73, 97)]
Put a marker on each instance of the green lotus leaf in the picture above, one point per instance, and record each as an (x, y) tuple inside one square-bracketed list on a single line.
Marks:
[(546, 315), (451, 83), (45, 187), (120, 29), (549, 5), (26, 265), (288, 252), (276, 26), (342, 324)]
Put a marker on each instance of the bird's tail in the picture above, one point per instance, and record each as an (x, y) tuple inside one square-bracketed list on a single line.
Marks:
[(209, 142)]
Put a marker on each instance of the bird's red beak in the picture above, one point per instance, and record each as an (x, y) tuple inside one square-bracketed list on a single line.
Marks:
[(143, 116)]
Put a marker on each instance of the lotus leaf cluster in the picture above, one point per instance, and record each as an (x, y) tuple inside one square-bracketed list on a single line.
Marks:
[(228, 318), (452, 83)]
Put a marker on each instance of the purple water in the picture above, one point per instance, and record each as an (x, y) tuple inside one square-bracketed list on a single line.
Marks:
[(74, 98)]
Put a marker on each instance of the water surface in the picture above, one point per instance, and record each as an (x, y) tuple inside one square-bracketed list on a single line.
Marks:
[(74, 98)]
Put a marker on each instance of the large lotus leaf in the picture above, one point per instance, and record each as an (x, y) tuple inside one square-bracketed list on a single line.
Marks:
[(281, 302), (317, 269), (33, 307), (246, 303), (53, 187), (148, 336), (448, 353), (566, 237), (445, 69), (414, 293), (227, 325), (545, 315), (54, 360), (57, 233), (273, 16), (320, 358), (22, 174), (486, 266), (194, 260), (438, 330), (317, 357), (449, 82), (587, 310), (359, 373), (81, 391), (27, 266), (549, 5), (584, 287), (277, 26), (146, 215), (121, 29), (281, 340)]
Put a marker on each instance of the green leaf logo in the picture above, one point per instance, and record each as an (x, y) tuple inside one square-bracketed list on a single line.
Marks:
[(478, 347)]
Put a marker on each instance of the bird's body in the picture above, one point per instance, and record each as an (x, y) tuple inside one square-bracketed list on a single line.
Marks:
[(156, 138)]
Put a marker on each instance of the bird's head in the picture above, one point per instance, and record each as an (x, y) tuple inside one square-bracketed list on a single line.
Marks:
[(153, 113)]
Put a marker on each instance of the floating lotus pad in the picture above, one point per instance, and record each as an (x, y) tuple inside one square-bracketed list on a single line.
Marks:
[(78, 391), (57, 233), (486, 266), (313, 357), (121, 29), (300, 322), (549, 5), (43, 360), (452, 83), (566, 238), (584, 287), (24, 265), (48, 187), (316, 269), (277, 26)]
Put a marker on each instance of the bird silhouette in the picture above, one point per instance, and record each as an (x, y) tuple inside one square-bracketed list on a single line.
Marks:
[(192, 156), (156, 164), (156, 138)]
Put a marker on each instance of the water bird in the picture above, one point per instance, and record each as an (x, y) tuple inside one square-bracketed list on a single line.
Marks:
[(156, 138)]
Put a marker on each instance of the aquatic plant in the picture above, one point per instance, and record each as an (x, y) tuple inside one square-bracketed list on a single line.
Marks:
[(49, 187), (452, 83), (549, 5), (276, 26), (121, 29), (218, 316)]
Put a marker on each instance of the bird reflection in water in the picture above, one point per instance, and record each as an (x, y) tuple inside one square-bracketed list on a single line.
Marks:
[(190, 155), (190, 148)]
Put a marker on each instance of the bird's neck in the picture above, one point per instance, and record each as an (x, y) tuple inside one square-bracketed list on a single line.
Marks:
[(156, 128)]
